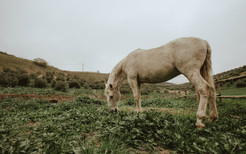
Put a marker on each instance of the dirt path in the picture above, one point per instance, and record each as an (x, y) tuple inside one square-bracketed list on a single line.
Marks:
[(50, 98)]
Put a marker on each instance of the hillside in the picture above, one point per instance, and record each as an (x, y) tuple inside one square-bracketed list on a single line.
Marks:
[(89, 76), (233, 72), (13, 62)]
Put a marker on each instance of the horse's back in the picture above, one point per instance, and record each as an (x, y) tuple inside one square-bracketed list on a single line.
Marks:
[(165, 62)]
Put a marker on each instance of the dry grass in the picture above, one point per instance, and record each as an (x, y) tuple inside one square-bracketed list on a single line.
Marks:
[(13, 62)]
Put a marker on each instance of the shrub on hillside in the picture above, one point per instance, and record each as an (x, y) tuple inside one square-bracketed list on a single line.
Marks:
[(49, 76), (8, 70), (53, 83), (24, 79), (8, 79), (71, 77), (86, 85), (40, 83), (82, 82), (241, 83), (97, 85), (40, 62), (74, 84), (61, 77), (35, 75), (60, 86), (13, 78)]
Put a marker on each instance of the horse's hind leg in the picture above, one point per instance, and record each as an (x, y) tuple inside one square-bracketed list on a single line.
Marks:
[(202, 88), (212, 105), (135, 86)]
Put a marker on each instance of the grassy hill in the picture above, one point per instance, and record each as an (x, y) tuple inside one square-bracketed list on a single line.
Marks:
[(13, 62), (233, 72)]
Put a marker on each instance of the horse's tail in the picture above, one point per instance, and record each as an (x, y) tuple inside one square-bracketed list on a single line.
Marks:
[(206, 70)]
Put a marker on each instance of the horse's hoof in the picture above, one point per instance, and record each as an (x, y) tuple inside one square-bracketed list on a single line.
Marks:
[(212, 119), (200, 127), (139, 110), (199, 124), (114, 110)]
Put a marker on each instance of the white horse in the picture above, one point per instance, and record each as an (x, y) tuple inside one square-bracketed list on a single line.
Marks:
[(189, 56)]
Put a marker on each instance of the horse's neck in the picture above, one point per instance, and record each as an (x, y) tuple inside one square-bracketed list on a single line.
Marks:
[(116, 76)]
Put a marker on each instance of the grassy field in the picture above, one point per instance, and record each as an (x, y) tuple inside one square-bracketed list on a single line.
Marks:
[(233, 90), (84, 125)]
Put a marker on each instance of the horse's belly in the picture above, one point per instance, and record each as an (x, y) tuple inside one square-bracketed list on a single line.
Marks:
[(158, 75)]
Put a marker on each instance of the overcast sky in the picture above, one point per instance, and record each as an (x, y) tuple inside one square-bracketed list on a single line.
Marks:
[(99, 33)]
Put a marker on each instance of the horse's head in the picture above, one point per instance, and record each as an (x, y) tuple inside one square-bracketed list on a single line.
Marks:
[(113, 95)]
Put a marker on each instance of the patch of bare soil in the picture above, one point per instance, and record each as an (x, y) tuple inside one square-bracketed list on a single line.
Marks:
[(51, 98)]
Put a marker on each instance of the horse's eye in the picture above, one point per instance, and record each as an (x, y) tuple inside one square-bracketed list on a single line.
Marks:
[(111, 97)]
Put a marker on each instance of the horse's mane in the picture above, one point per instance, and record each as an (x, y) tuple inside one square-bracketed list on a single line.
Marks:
[(116, 76)]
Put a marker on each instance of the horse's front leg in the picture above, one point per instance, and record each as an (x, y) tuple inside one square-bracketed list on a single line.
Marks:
[(135, 86)]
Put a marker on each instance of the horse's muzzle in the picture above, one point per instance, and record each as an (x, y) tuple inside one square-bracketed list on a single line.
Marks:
[(114, 110)]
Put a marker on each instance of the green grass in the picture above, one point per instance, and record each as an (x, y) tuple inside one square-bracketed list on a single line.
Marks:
[(233, 91), (86, 126)]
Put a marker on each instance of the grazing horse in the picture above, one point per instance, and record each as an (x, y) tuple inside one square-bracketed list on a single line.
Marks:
[(189, 56)]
